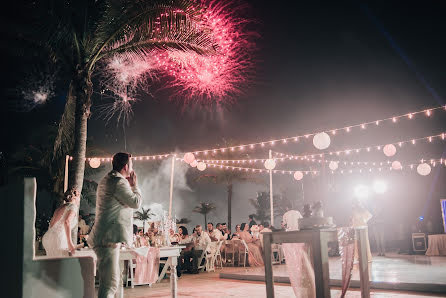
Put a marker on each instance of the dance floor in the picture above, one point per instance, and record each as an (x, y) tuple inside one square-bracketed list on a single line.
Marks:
[(392, 272)]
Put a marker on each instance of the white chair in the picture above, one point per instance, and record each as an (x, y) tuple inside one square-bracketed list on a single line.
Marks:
[(203, 256), (218, 258), (212, 258), (229, 250), (243, 250), (276, 253), (131, 274), (167, 264)]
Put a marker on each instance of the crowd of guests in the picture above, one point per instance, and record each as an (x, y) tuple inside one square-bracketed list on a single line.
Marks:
[(205, 241)]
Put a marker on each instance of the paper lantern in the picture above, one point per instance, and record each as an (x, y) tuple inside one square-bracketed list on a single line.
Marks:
[(333, 165), (95, 163), (389, 150), (270, 164), (201, 166), (189, 157), (321, 140), (194, 163), (424, 169), (396, 165), (298, 175)]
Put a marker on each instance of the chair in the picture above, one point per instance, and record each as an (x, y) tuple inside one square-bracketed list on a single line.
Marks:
[(131, 274), (167, 264), (218, 254), (243, 250), (229, 250), (203, 257), (276, 253), (212, 258)]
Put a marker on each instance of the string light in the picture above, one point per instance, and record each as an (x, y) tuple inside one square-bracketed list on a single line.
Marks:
[(428, 113)]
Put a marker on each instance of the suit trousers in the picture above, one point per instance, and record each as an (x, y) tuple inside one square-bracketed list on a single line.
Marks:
[(110, 275)]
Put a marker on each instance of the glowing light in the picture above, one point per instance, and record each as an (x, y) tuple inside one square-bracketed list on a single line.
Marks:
[(321, 141), (189, 157), (333, 165), (298, 175), (396, 165), (389, 150), (423, 169), (270, 164), (95, 163), (201, 166), (361, 191), (379, 186)]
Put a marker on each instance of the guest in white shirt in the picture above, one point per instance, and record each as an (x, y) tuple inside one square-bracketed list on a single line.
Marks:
[(291, 219), (201, 242), (264, 227)]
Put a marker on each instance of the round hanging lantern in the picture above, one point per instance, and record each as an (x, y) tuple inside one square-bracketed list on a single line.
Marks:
[(333, 165), (95, 162), (270, 164), (396, 165), (424, 169), (194, 163), (201, 166), (389, 150), (189, 157), (321, 140), (298, 175)]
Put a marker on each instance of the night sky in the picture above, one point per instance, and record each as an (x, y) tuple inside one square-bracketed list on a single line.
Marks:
[(319, 66)]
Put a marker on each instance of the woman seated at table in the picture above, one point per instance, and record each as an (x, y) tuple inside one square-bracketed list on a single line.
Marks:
[(174, 237), (57, 240), (255, 257), (237, 232), (141, 239)]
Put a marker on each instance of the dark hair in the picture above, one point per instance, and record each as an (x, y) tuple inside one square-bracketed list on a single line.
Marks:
[(251, 216), (120, 160), (70, 194), (184, 229), (265, 224), (242, 226), (223, 224), (135, 229), (209, 223), (218, 225)]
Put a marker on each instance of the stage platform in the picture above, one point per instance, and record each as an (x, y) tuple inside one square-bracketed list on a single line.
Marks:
[(393, 272)]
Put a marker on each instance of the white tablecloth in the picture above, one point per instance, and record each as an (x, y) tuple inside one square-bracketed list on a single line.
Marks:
[(437, 245)]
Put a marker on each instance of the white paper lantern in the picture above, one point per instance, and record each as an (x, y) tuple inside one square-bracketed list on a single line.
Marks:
[(321, 141), (389, 150), (396, 165), (201, 166), (424, 169), (270, 164), (189, 157), (333, 165), (95, 163), (298, 175), (194, 163)]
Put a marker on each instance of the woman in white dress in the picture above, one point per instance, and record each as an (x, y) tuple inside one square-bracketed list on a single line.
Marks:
[(57, 240)]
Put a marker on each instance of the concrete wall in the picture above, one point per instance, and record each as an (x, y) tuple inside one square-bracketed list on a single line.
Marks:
[(40, 276)]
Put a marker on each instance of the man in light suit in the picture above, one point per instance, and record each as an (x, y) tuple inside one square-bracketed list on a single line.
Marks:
[(117, 196)]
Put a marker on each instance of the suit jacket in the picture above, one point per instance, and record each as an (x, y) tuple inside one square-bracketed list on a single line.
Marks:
[(115, 202)]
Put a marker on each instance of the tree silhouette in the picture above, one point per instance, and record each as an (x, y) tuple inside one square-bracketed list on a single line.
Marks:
[(143, 215), (204, 208)]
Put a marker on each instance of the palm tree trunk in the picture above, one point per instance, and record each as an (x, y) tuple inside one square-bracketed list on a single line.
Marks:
[(83, 89), (144, 226), (205, 222), (229, 188)]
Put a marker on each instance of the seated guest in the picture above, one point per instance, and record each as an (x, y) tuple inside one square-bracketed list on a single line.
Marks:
[(84, 228), (237, 232), (215, 236), (141, 240), (201, 242), (255, 257), (174, 237), (251, 222), (264, 227)]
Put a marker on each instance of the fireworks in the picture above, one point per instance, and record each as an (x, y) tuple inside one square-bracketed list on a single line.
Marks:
[(36, 90), (217, 76)]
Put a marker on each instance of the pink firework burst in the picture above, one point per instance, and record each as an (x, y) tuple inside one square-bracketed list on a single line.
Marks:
[(220, 76), (215, 76)]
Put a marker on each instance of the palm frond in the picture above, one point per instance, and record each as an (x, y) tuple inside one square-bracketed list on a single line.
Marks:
[(204, 208), (137, 27), (64, 141)]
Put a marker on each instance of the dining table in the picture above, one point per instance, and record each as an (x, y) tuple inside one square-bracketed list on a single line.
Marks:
[(129, 254)]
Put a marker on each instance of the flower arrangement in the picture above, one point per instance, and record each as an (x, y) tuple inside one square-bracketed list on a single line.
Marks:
[(255, 231)]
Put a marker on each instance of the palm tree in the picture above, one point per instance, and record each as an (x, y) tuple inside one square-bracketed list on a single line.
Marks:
[(143, 215), (77, 35), (262, 205), (229, 177), (204, 208)]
